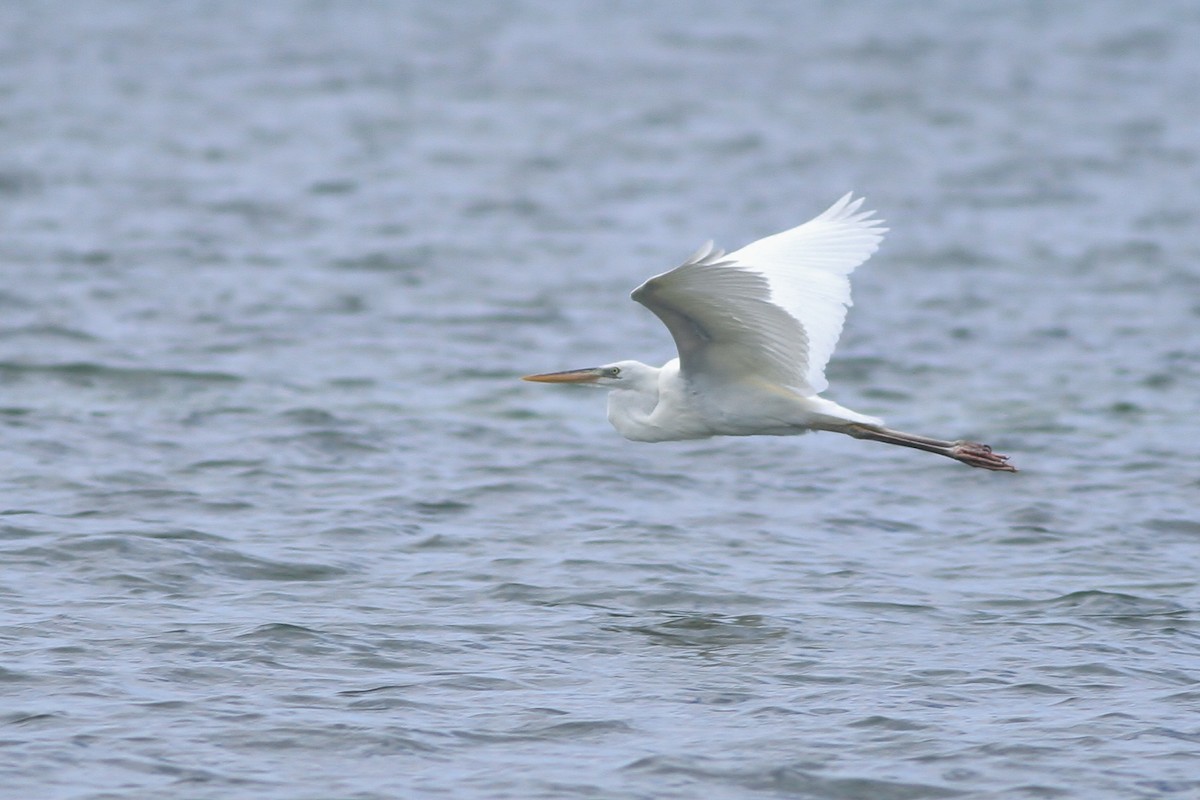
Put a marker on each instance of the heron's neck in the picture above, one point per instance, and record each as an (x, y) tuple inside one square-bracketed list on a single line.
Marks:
[(630, 409)]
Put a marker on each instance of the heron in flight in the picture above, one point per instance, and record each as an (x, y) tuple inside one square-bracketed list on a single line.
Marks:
[(754, 330)]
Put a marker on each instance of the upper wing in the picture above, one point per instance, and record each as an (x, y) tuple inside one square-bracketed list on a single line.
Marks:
[(773, 309)]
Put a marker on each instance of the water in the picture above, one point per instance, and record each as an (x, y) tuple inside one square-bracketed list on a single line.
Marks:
[(279, 522)]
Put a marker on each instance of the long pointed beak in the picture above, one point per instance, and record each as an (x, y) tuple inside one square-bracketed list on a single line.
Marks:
[(569, 376)]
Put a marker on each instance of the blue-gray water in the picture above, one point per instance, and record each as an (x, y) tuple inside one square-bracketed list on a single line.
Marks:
[(278, 521)]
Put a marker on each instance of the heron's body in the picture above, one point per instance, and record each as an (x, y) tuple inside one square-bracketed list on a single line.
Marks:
[(661, 405), (754, 330)]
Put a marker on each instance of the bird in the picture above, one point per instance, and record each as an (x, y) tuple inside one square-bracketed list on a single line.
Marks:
[(755, 329)]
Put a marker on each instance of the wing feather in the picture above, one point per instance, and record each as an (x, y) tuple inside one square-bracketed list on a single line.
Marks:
[(773, 309)]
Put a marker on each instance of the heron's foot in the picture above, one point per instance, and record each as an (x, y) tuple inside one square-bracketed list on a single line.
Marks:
[(979, 455)]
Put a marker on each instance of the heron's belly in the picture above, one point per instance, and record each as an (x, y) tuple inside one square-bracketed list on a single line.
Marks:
[(700, 415), (738, 410), (661, 427), (772, 412)]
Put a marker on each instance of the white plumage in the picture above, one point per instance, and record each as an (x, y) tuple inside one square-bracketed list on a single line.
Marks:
[(755, 329), (778, 303)]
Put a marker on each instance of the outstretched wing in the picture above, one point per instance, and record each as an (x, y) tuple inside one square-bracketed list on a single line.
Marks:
[(772, 310)]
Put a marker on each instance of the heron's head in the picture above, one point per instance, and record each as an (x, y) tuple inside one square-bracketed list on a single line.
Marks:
[(619, 375)]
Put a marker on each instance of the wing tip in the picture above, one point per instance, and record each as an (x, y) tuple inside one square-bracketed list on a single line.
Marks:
[(637, 294), (701, 252), (846, 209), (706, 253)]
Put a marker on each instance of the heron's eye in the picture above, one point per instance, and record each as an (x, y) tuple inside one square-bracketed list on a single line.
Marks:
[(614, 372)]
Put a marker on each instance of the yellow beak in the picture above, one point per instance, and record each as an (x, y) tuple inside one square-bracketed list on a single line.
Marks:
[(569, 376)]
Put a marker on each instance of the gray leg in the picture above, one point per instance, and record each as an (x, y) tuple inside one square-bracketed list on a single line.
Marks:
[(970, 453)]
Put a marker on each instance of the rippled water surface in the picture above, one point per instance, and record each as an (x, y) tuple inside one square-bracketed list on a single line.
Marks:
[(277, 520)]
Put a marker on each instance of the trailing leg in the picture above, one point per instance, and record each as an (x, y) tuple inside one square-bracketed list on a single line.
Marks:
[(972, 454)]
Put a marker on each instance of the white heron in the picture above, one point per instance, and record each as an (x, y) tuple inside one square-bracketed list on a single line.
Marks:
[(754, 330)]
